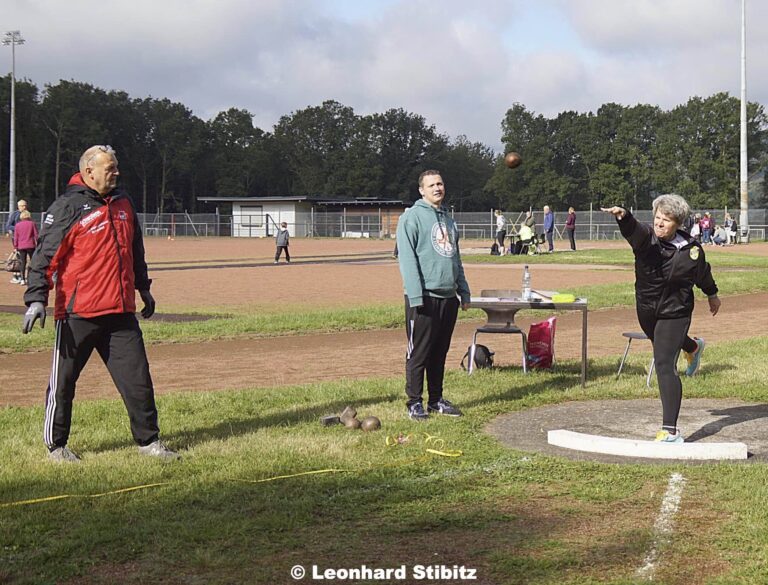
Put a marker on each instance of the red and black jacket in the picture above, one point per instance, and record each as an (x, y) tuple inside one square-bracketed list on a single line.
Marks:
[(92, 249), (665, 275)]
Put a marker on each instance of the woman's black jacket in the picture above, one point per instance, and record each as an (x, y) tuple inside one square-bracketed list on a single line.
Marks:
[(665, 275)]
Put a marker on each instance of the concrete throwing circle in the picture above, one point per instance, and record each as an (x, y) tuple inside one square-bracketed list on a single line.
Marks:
[(701, 420)]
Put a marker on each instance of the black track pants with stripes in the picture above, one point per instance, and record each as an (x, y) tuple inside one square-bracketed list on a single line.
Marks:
[(118, 340), (429, 329)]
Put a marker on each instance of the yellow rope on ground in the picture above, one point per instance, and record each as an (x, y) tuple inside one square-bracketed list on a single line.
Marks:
[(318, 471), (390, 441), (434, 440), (64, 496)]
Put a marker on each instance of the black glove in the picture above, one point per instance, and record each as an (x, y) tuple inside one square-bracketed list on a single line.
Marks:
[(35, 311), (149, 304)]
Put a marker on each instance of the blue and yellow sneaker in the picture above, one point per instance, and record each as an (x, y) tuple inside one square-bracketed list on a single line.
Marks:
[(694, 359), (665, 436)]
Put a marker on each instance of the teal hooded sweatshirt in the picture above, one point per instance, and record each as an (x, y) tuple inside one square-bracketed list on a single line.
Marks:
[(428, 250)]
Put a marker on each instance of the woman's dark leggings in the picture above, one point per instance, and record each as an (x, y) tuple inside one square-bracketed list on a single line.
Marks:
[(500, 236), (668, 336)]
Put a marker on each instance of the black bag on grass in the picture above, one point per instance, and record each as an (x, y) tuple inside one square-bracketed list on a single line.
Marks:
[(483, 357)]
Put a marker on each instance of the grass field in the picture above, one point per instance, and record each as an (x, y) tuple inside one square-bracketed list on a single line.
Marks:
[(262, 486), (515, 517)]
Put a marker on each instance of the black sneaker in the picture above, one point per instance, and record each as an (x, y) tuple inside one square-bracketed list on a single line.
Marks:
[(442, 406), (416, 412)]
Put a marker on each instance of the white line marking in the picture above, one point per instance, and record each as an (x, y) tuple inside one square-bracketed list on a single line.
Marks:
[(662, 528)]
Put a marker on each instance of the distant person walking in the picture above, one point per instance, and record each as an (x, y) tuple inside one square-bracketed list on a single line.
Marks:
[(549, 228), (435, 287), (281, 242), (570, 227), (25, 241)]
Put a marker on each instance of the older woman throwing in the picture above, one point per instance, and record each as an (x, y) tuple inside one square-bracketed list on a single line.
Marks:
[(668, 263)]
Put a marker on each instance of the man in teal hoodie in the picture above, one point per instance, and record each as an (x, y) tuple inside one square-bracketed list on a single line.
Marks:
[(435, 286)]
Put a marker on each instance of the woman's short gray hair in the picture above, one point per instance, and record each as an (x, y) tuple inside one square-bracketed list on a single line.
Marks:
[(672, 206)]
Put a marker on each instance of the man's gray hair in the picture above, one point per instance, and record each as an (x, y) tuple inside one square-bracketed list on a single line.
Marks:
[(93, 152), (672, 206)]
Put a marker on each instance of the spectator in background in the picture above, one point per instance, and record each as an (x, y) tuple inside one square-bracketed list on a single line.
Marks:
[(570, 227), (13, 218), (549, 228), (501, 230), (720, 236), (10, 225), (530, 221), (695, 230), (706, 228), (25, 241), (730, 228), (281, 243)]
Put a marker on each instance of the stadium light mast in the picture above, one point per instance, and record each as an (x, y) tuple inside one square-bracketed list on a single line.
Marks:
[(743, 172), (13, 38)]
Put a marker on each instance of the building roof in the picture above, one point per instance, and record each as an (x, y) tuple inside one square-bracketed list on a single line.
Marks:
[(314, 199)]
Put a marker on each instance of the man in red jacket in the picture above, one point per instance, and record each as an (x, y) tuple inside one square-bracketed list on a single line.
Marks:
[(92, 249)]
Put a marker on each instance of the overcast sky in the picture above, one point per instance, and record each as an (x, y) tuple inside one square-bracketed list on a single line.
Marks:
[(459, 63)]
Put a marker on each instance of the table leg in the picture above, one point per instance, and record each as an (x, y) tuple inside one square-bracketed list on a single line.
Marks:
[(584, 348)]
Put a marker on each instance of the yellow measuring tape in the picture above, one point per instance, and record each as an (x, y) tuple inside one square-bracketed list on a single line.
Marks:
[(434, 440), (65, 496), (391, 441)]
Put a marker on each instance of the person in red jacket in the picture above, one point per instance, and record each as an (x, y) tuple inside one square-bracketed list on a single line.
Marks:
[(91, 247), (25, 241)]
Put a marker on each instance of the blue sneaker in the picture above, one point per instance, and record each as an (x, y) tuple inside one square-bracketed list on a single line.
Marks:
[(416, 412), (694, 359), (664, 436)]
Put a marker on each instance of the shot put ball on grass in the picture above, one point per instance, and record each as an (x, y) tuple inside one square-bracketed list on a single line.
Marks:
[(513, 160)]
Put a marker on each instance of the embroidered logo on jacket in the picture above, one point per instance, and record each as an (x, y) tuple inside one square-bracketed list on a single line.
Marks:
[(441, 240), (122, 215), (694, 253), (91, 217)]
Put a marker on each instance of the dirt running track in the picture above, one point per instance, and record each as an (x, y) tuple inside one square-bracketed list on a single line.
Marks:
[(260, 362), (249, 363)]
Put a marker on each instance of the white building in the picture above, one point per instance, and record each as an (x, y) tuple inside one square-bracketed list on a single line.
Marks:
[(311, 216)]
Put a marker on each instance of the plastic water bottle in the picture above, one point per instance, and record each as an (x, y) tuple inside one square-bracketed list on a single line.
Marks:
[(526, 289)]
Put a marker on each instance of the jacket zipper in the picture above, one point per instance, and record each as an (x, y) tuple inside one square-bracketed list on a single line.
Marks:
[(677, 253), (119, 256)]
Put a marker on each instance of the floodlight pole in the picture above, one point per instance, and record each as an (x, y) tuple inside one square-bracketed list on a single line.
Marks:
[(743, 171), (13, 38)]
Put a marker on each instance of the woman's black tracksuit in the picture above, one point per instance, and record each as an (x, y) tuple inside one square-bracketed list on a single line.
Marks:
[(664, 279)]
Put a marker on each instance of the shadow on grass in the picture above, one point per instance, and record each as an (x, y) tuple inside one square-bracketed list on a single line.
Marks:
[(236, 427), (210, 531)]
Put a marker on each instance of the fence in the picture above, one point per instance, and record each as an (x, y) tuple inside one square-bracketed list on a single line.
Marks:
[(590, 224)]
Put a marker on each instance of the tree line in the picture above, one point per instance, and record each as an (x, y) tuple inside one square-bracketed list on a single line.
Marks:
[(169, 157)]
